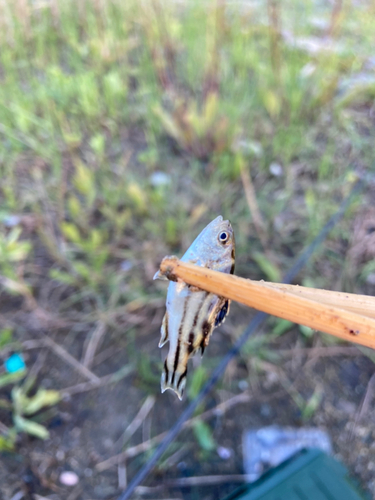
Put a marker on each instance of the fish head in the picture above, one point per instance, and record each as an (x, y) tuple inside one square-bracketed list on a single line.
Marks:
[(214, 247)]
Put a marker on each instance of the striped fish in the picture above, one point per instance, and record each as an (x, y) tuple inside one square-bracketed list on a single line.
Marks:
[(191, 313)]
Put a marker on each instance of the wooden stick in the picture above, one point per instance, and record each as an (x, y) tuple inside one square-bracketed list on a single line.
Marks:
[(337, 321), (360, 304)]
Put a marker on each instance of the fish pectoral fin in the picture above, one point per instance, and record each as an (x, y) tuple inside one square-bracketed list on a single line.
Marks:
[(164, 337), (222, 314), (159, 276), (173, 380)]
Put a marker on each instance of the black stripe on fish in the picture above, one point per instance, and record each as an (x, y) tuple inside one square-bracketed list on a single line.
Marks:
[(233, 256), (206, 330), (166, 371), (182, 376), (177, 354), (192, 334), (176, 358), (181, 325), (191, 343)]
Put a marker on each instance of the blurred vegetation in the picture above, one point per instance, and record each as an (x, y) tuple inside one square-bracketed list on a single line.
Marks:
[(126, 126)]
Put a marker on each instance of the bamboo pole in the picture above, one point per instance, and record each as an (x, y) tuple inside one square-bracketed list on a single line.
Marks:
[(279, 301)]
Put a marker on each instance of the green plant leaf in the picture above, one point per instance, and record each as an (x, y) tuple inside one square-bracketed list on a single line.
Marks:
[(282, 326), (268, 268), (14, 235), (42, 398), (169, 124), (272, 103), (196, 382), (7, 443), (83, 270), (62, 276), (306, 331), (71, 232), (10, 378), (137, 195), (204, 436), (74, 207), (6, 336), (171, 230), (30, 427), (312, 404), (84, 181)]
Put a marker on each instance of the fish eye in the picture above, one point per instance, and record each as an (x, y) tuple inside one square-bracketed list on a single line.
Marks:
[(223, 237)]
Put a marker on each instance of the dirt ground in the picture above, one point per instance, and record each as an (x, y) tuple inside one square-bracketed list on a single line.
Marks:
[(86, 427)]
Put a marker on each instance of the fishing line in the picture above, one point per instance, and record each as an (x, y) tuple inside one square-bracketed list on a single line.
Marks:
[(255, 323)]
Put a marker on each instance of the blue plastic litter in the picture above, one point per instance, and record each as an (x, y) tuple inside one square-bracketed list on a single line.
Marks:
[(14, 363)]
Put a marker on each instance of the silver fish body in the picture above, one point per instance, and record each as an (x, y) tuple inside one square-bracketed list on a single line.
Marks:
[(192, 314)]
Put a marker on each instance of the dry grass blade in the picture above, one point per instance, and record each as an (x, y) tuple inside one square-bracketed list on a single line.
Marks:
[(364, 407), (139, 418), (122, 477), (366, 403), (107, 379), (93, 344), (3, 428), (195, 481), (63, 354), (33, 344), (38, 365), (330, 319), (220, 409), (20, 494), (253, 206), (85, 386), (76, 493)]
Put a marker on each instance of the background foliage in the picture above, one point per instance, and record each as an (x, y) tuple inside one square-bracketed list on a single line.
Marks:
[(126, 126)]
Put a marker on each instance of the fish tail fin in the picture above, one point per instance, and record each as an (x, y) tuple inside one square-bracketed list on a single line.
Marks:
[(164, 335), (173, 380)]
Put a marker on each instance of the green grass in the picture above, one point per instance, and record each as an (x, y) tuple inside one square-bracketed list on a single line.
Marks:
[(95, 97)]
